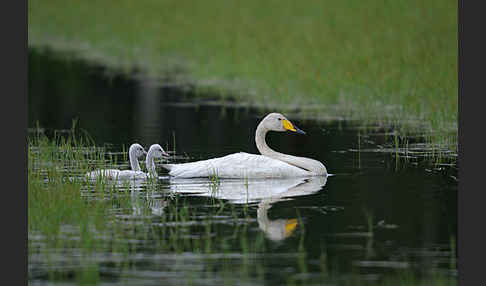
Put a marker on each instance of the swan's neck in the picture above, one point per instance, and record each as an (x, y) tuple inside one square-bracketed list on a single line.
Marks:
[(313, 166), (150, 164), (134, 162)]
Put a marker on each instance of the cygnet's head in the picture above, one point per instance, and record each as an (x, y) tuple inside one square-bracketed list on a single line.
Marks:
[(137, 150), (278, 122), (156, 151)]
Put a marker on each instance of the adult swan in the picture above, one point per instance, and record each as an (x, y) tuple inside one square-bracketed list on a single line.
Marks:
[(271, 164)]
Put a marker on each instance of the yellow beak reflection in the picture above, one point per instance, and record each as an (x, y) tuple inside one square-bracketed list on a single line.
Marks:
[(290, 226)]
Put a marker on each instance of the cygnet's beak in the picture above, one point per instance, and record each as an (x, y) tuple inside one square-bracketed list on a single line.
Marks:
[(145, 152), (165, 154)]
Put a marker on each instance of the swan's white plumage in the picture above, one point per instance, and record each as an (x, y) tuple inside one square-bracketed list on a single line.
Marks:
[(238, 165), (270, 164), (136, 151), (129, 174), (114, 174)]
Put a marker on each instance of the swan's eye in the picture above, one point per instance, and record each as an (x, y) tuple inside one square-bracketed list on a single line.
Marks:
[(279, 119)]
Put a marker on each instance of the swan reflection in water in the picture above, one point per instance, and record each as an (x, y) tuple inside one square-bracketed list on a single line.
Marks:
[(265, 192), (143, 194)]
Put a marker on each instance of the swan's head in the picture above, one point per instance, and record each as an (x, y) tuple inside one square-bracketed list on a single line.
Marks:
[(278, 122), (137, 150), (156, 151)]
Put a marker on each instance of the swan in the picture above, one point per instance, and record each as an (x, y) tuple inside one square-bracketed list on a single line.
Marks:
[(134, 152), (270, 164), (155, 151)]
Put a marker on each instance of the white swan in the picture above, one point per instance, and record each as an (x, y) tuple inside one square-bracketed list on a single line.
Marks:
[(155, 151), (244, 165), (134, 152)]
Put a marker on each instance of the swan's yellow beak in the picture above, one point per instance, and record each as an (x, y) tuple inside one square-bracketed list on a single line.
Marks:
[(289, 126), (290, 226)]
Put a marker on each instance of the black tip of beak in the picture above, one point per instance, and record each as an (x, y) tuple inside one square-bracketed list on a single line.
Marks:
[(300, 131)]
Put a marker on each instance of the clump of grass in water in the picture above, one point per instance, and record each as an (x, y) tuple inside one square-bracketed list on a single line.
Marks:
[(54, 197), (214, 182), (55, 185), (359, 150), (369, 220), (413, 147), (301, 257), (396, 150), (174, 140), (452, 263)]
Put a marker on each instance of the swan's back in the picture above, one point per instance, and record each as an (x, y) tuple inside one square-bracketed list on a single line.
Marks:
[(114, 174), (237, 165), (129, 174)]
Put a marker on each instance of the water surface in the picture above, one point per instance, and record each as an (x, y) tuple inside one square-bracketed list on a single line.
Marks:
[(373, 217)]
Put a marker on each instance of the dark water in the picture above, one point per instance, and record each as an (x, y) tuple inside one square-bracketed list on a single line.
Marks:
[(412, 207)]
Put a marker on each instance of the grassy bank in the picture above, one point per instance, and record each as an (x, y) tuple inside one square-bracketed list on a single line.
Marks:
[(393, 62)]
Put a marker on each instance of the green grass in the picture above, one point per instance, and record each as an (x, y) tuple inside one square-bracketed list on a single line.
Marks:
[(391, 62)]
